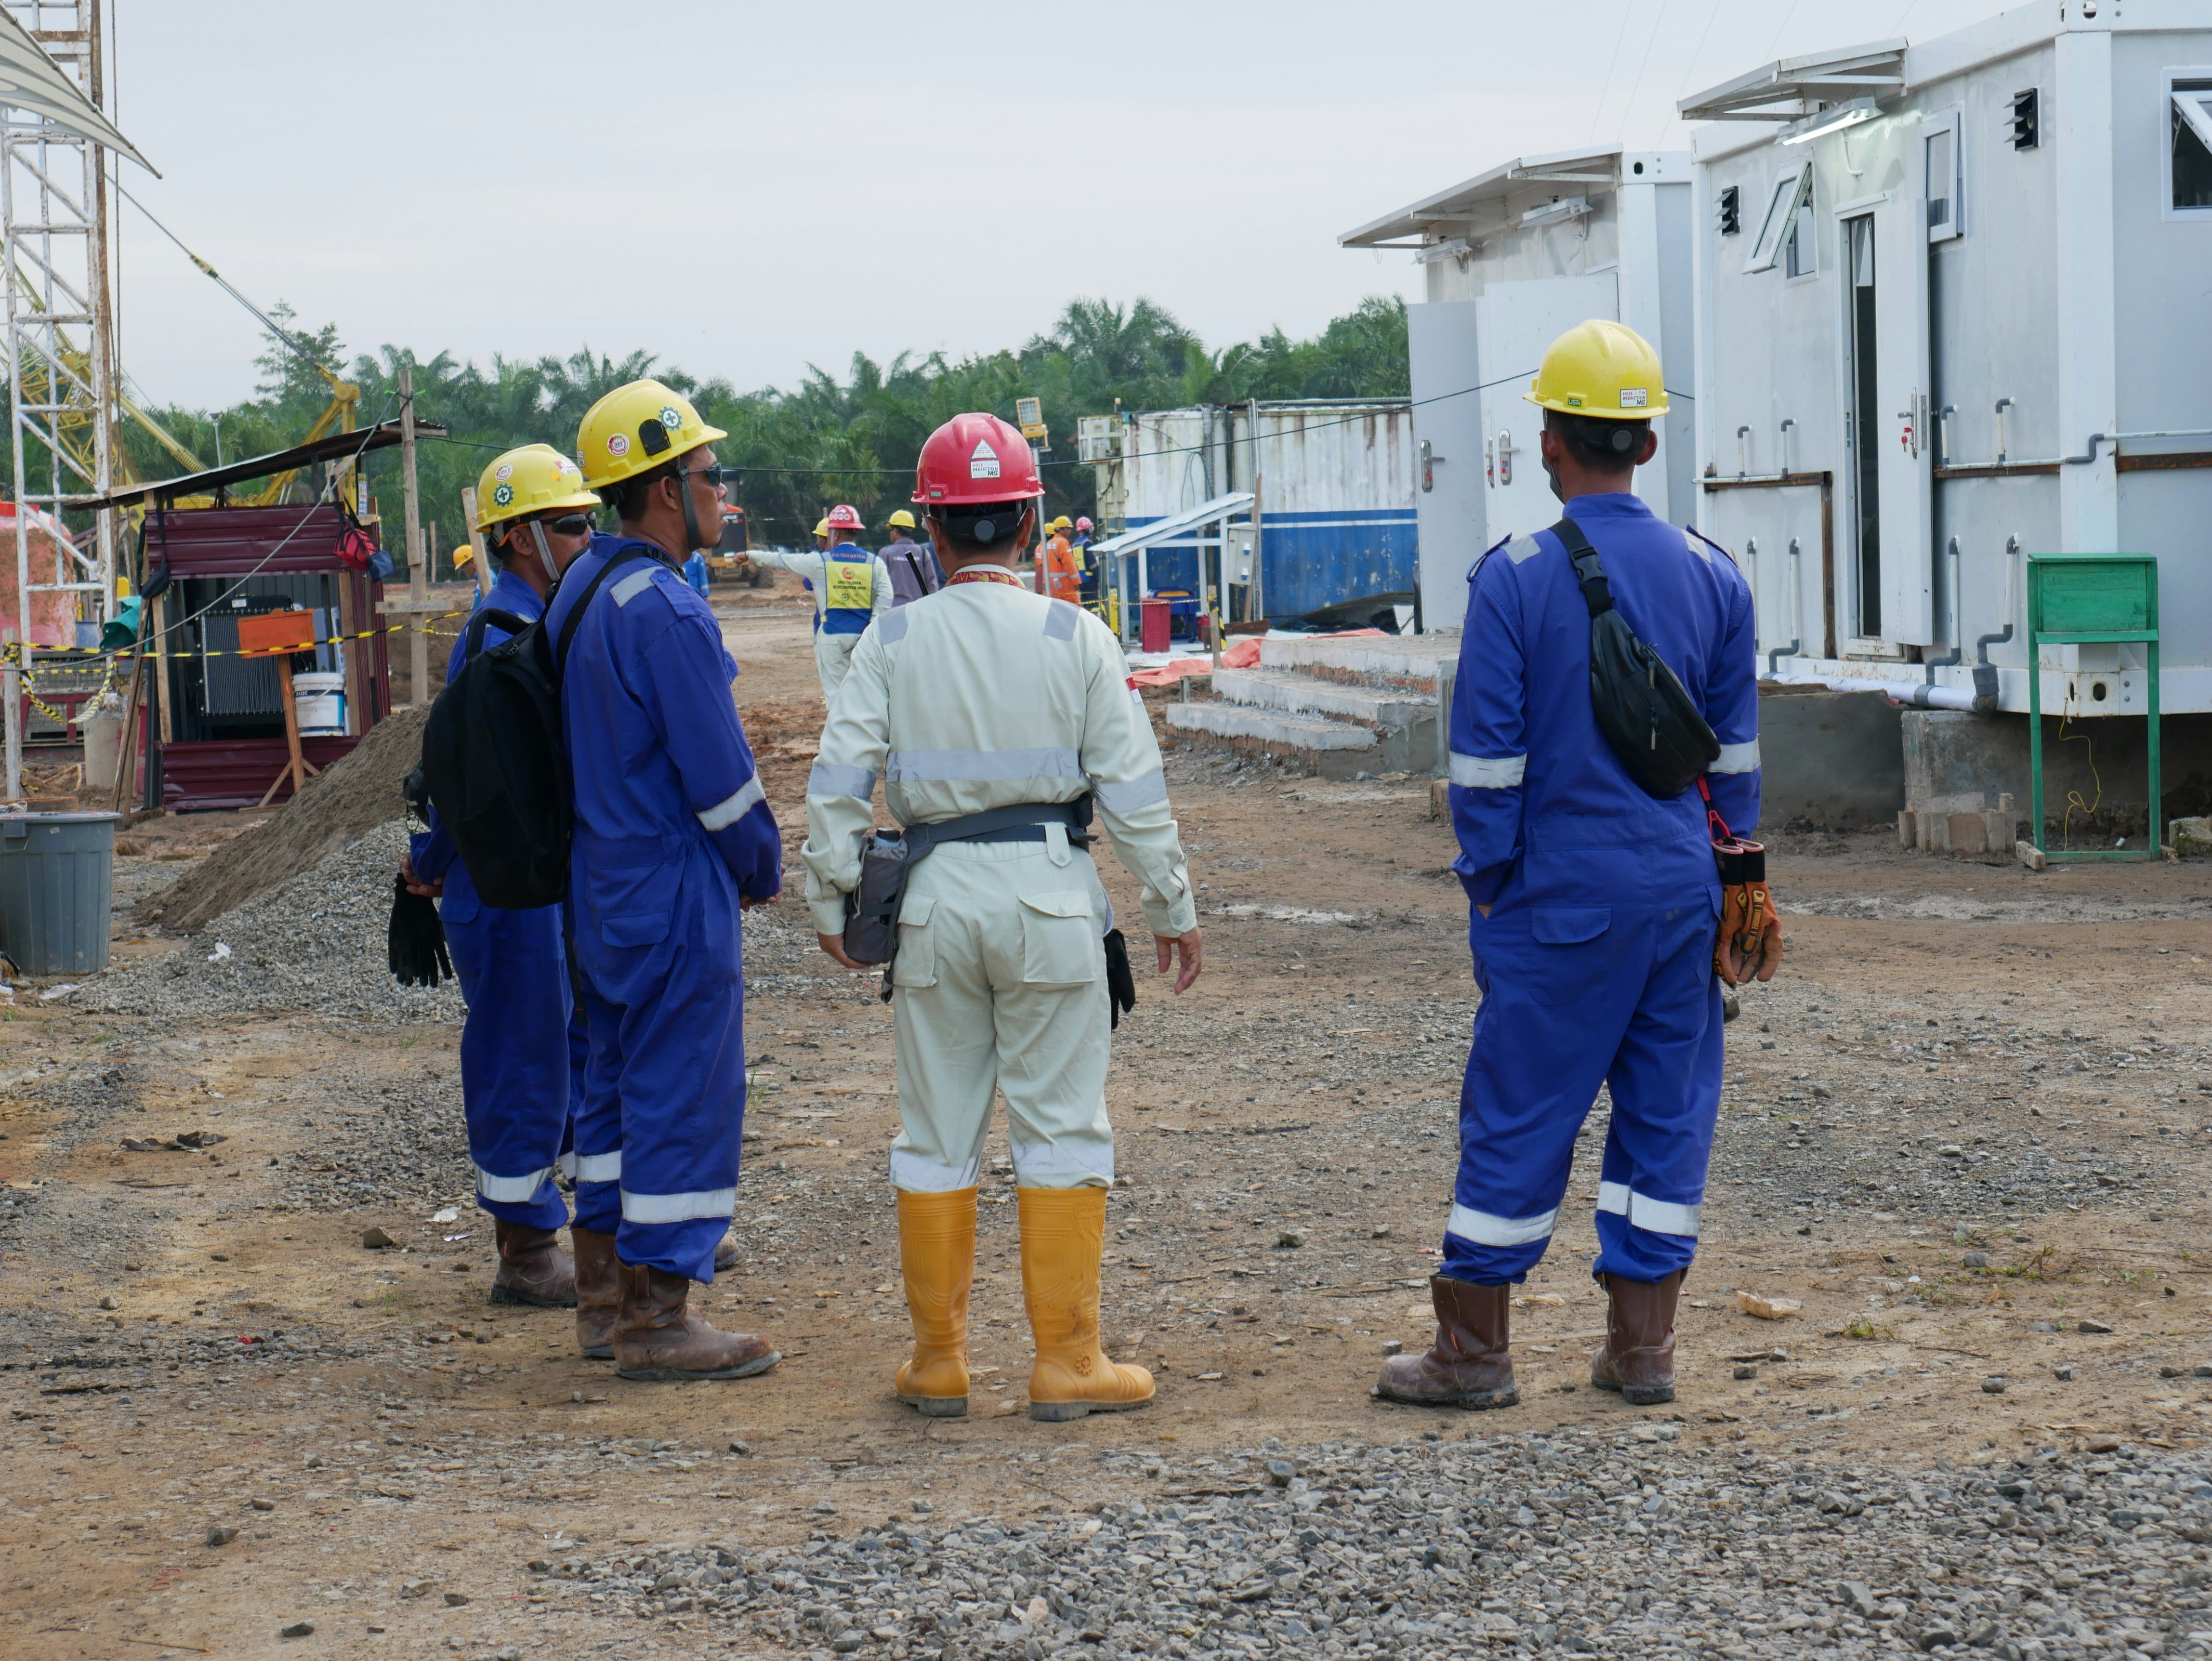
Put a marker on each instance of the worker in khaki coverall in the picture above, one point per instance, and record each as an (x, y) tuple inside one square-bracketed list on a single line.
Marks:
[(986, 697)]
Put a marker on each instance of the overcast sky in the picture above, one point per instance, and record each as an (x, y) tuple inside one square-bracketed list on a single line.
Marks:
[(747, 189)]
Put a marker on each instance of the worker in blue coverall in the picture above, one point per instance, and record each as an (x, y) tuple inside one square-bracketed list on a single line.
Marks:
[(672, 841), (695, 572), (1592, 905), (522, 1049)]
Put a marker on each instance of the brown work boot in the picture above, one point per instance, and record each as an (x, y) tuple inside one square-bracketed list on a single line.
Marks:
[(533, 1268), (1470, 1364), (1637, 1359), (659, 1339), (598, 1293), (725, 1253)]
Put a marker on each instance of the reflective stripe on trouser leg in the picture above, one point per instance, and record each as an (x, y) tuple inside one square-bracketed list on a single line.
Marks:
[(833, 656), (1543, 1035), (596, 1158), (984, 996), (515, 1088), (1666, 1085)]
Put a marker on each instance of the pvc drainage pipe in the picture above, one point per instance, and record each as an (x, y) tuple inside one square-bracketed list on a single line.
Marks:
[(1915, 693)]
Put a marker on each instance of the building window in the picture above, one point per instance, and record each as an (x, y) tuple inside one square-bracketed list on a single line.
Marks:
[(2189, 165), (1788, 225), (1946, 176)]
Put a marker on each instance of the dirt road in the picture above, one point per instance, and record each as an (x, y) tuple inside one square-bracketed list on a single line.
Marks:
[(1968, 1130)]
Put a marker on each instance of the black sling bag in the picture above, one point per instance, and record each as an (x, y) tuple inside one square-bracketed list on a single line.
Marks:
[(1641, 707)]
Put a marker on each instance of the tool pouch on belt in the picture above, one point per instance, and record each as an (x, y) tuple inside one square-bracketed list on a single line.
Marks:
[(1642, 710), (871, 910)]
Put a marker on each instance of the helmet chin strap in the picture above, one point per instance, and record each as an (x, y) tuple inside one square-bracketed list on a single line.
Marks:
[(693, 541), (545, 552)]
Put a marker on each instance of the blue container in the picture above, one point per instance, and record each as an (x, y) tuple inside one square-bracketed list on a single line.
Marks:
[(57, 888)]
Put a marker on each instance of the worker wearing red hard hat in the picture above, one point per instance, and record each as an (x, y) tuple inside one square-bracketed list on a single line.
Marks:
[(851, 587), (1086, 567), (997, 719)]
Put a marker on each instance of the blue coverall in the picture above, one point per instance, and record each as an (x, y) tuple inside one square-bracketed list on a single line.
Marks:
[(1596, 961), (695, 573), (671, 832), (522, 1043)]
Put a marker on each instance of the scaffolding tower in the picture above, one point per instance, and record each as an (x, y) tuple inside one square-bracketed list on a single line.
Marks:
[(61, 355)]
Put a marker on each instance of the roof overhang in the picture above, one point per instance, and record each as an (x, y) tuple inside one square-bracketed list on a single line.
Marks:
[(1477, 207), (32, 82), (381, 436), (1790, 88), (1174, 527)]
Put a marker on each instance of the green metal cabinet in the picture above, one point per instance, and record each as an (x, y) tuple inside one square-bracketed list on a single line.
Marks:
[(2075, 600)]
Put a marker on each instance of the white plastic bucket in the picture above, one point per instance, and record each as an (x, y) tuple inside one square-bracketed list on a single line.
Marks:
[(320, 699)]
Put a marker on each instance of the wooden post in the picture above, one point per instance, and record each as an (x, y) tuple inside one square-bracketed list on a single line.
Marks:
[(418, 583), (161, 603), (278, 635), (479, 564)]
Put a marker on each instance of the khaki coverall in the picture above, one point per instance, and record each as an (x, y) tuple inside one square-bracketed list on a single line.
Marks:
[(985, 696)]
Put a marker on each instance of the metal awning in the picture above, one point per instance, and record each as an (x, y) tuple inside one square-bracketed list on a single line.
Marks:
[(1477, 204), (330, 447), (32, 82), (1176, 527), (1792, 87)]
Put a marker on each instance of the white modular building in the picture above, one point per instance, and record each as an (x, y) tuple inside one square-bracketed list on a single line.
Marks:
[(1514, 257), (1950, 315)]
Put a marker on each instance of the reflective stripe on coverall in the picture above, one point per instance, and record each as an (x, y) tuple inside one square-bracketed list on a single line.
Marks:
[(1596, 961), (1063, 570), (670, 832), (985, 696), (522, 1041), (841, 616)]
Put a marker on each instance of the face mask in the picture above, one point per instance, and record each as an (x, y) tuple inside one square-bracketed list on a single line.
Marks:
[(1552, 473)]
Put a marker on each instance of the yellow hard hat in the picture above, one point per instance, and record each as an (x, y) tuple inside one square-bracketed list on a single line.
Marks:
[(822, 525), (1602, 370), (901, 519), (636, 428), (530, 480), (1060, 524), (463, 554)]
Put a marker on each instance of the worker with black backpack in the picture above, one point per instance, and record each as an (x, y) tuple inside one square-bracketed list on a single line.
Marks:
[(671, 839), (1604, 748)]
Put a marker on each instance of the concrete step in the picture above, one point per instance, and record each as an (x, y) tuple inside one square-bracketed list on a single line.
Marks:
[(1304, 694), (1316, 744), (1406, 661)]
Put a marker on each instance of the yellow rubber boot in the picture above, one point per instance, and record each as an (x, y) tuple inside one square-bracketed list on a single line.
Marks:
[(937, 1251), (1063, 1232)]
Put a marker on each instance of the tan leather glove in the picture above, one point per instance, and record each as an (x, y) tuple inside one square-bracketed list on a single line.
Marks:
[(1747, 945)]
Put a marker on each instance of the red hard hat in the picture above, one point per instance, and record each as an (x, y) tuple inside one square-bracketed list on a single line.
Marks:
[(1083, 523), (976, 459), (844, 518)]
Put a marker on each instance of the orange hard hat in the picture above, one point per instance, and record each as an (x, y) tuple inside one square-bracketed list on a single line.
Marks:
[(974, 458)]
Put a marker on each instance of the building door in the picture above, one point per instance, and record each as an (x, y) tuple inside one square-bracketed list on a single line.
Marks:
[(1892, 428), (1515, 322), (1447, 505)]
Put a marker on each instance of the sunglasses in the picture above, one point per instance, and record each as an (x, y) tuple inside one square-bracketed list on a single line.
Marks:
[(570, 525), (717, 476)]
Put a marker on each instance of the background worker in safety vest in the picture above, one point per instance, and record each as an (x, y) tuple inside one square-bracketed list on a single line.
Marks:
[(1059, 574), (1085, 565), (913, 565), (986, 696), (522, 1049), (672, 841), (1592, 903), (851, 587)]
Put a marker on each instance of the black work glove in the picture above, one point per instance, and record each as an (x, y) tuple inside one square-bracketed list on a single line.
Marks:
[(1121, 984), (414, 941)]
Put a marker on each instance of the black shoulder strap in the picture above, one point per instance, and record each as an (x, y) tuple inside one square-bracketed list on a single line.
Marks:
[(1597, 594), (575, 617), (486, 616)]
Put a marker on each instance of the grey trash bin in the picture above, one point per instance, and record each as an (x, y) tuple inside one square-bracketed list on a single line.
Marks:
[(57, 885)]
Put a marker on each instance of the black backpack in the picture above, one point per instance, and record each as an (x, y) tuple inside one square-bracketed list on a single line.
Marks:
[(1642, 709), (495, 763)]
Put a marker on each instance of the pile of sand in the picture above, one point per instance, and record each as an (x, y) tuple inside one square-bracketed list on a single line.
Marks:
[(339, 806)]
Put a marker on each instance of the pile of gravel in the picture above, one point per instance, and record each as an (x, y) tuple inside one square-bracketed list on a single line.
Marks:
[(1629, 1544), (315, 945), (349, 799)]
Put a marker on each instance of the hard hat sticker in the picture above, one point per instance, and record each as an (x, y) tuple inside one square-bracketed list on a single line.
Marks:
[(503, 472), (502, 494), (984, 463), (670, 419), (618, 444), (1635, 397), (1574, 401)]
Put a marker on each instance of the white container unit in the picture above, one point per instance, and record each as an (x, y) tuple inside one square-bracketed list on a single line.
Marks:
[(1514, 256), (1337, 525), (1950, 316)]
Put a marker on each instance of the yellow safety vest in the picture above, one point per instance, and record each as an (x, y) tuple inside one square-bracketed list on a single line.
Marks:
[(848, 582)]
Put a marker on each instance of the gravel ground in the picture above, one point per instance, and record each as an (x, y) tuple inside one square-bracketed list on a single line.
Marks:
[(1630, 1544)]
